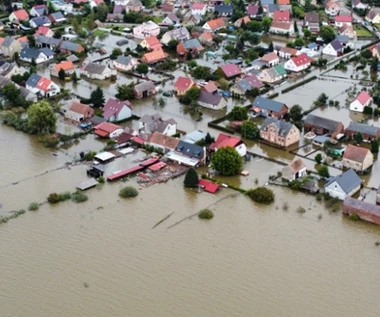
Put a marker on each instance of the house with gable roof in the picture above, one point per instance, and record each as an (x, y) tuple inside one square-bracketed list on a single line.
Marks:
[(341, 186), (247, 83), (224, 10), (188, 154), (162, 141), (281, 16), (144, 89), (278, 27), (154, 57), (358, 158), (230, 70), (78, 112), (117, 110), (45, 31), (151, 123), (341, 20), (224, 140), (146, 29), (42, 86), (180, 34), (373, 15), (279, 132), (294, 170), (270, 108), (332, 8), (320, 125), (57, 17), (368, 132), (270, 59), (151, 43), (38, 10), (357, 4), (198, 8), (18, 16), (192, 46), (39, 21), (298, 63), (49, 42), (108, 130), (125, 63), (183, 85), (29, 55), (252, 10), (334, 48), (273, 75), (311, 21), (10, 46), (211, 100), (67, 66), (68, 47), (362, 100), (288, 52), (214, 25), (347, 30), (97, 71), (171, 19)]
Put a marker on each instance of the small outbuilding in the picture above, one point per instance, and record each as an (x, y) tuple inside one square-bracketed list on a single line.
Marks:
[(295, 170), (343, 185)]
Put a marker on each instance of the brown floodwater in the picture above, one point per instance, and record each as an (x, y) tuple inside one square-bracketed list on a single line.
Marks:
[(102, 257)]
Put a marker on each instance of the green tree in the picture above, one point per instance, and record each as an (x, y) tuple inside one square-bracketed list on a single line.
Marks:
[(374, 65), (227, 161), (318, 158), (115, 53), (249, 130), (254, 26), (97, 97), (307, 33), (41, 118), (74, 77), (295, 26), (299, 42), (266, 22), (375, 146), (299, 13), (201, 72), (358, 138), (205, 214), (295, 113), (238, 113), (101, 12), (261, 195), (62, 74), (75, 24), (327, 33), (142, 68), (125, 92), (323, 171), (191, 178), (31, 41), (128, 192), (12, 96), (209, 139), (270, 47), (190, 96), (172, 46)]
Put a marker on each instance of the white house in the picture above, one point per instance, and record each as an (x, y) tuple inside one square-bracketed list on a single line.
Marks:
[(296, 169), (42, 86), (125, 63), (61, 5), (343, 185), (198, 9), (224, 140), (28, 54), (97, 71), (332, 8), (116, 110), (151, 123), (278, 27), (334, 48), (298, 63), (341, 20), (357, 4), (38, 10), (363, 99), (146, 29)]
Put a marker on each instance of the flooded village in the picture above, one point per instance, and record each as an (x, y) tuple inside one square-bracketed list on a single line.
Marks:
[(209, 158)]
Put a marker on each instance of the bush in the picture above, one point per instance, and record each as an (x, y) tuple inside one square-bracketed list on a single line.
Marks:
[(64, 196), (319, 197), (205, 214), (318, 158), (354, 217), (261, 195), (301, 210), (33, 206), (79, 197), (101, 179), (323, 171), (128, 192), (368, 110), (53, 198)]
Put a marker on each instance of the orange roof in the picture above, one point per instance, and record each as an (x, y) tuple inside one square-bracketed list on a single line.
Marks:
[(79, 108), (23, 39), (152, 40), (1, 40), (43, 84), (207, 36), (216, 23), (154, 57), (283, 2), (68, 65)]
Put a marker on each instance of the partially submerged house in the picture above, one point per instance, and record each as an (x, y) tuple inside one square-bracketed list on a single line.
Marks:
[(211, 100), (279, 132), (341, 186), (294, 170), (269, 108), (108, 130), (273, 75), (78, 112), (42, 86), (358, 158), (362, 100), (320, 125), (151, 123), (188, 154), (366, 211), (67, 66), (183, 85), (97, 71), (368, 132), (298, 63), (162, 141), (144, 89), (125, 63), (224, 140), (117, 110)]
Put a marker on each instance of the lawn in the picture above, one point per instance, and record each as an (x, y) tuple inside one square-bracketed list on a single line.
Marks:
[(362, 31), (98, 32)]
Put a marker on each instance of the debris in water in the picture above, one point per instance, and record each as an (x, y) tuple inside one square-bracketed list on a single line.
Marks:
[(86, 285)]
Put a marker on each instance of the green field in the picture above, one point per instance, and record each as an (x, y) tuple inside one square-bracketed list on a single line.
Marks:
[(362, 32)]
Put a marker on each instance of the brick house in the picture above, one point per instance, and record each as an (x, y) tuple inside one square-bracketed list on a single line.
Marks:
[(320, 125), (369, 132), (279, 132), (366, 211)]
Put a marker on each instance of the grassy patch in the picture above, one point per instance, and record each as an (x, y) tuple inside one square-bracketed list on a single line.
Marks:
[(362, 32), (206, 214), (98, 32)]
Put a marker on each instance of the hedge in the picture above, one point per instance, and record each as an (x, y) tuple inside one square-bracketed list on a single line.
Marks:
[(299, 84)]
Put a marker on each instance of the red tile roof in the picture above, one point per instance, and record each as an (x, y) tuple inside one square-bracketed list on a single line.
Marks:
[(225, 140), (208, 186), (198, 6), (269, 57), (107, 127), (343, 18), (355, 153), (153, 43), (154, 57), (80, 108), (230, 70), (42, 30), (363, 97), (281, 25), (302, 59), (21, 15), (283, 2), (216, 23), (210, 87), (281, 16), (44, 84), (183, 83)]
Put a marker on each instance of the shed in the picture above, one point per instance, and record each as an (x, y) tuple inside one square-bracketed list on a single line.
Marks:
[(104, 157), (209, 186), (87, 184)]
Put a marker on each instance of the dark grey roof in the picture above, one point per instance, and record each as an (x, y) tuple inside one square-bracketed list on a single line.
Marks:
[(69, 46), (348, 181), (224, 8), (7, 42), (190, 150), (33, 80), (145, 86), (209, 98), (343, 39), (337, 45), (124, 60), (29, 53), (40, 20), (41, 39), (244, 84), (363, 128), (47, 51), (282, 126), (272, 7), (268, 104), (325, 123), (95, 68)]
